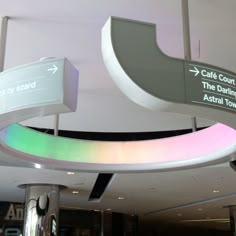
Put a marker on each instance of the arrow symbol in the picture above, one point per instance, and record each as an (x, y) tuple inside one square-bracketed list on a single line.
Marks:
[(196, 71), (53, 69)]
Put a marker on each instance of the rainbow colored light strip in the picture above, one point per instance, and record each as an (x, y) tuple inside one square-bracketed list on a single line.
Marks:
[(206, 143)]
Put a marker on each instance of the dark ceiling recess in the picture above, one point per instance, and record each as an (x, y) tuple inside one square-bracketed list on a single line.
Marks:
[(100, 186), (233, 165), (129, 136)]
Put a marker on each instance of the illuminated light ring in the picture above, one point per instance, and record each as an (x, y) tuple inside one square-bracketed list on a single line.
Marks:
[(191, 150)]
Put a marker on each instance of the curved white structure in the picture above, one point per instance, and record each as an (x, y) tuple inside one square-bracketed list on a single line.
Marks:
[(50, 87)]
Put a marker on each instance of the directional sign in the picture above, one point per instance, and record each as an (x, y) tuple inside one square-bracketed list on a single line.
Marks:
[(54, 69), (211, 86), (194, 70), (37, 84), (156, 81)]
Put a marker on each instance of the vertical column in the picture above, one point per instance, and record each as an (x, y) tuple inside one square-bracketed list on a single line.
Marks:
[(232, 214), (41, 210), (3, 37), (187, 45)]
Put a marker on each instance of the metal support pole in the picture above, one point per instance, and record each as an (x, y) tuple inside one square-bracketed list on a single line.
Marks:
[(3, 39), (56, 124), (56, 118), (186, 30), (187, 44), (194, 124)]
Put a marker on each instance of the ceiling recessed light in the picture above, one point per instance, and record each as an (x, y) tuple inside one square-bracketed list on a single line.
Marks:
[(75, 192), (37, 166), (224, 221), (96, 210), (179, 214), (216, 191), (121, 198), (70, 173), (199, 209), (108, 209)]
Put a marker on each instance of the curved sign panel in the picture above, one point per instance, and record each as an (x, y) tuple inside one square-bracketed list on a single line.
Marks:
[(154, 80), (36, 89)]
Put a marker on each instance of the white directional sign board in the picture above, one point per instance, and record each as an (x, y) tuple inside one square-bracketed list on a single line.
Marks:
[(208, 85), (37, 84)]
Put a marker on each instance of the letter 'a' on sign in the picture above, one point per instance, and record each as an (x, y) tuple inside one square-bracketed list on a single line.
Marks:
[(156, 81)]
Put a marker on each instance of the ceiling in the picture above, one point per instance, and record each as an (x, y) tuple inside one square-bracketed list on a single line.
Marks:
[(72, 29), (177, 196)]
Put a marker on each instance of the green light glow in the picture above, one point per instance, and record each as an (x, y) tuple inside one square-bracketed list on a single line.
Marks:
[(41, 145)]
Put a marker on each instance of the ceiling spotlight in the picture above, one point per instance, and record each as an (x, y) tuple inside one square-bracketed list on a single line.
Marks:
[(70, 173), (75, 192), (216, 191), (121, 198), (37, 166)]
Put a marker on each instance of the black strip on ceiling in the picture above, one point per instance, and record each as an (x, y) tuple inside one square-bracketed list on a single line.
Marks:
[(100, 186), (131, 136), (233, 165)]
